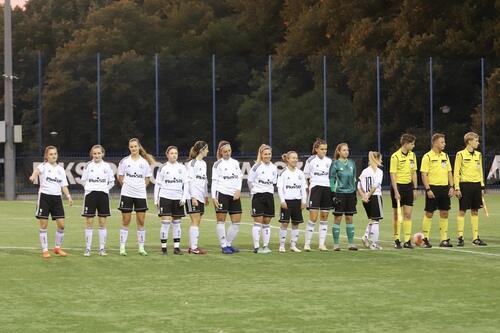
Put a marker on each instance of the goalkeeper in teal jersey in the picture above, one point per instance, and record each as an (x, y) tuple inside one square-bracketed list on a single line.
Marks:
[(343, 185)]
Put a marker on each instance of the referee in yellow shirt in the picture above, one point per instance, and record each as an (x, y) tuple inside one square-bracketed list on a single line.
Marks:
[(438, 183), (403, 172), (469, 187)]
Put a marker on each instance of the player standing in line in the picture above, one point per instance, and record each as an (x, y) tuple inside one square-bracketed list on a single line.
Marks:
[(370, 190), (134, 173), (319, 202), (226, 191), (293, 197), (469, 187), (97, 179), (261, 180), (437, 178), (171, 192), (198, 192), (403, 172), (52, 179), (343, 183)]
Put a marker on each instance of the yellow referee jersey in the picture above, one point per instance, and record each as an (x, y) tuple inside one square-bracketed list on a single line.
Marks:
[(403, 165), (468, 168), (437, 166)]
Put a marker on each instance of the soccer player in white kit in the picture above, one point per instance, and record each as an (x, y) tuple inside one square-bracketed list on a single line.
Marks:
[(226, 192), (261, 180), (170, 195), (293, 197), (320, 198), (97, 179), (52, 179), (134, 173), (198, 192), (370, 190)]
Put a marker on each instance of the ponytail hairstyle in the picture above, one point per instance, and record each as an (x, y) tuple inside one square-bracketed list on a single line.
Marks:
[(316, 144), (144, 154), (287, 155), (169, 148), (336, 155), (196, 148), (374, 158), (261, 150), (220, 146), (96, 147), (46, 152)]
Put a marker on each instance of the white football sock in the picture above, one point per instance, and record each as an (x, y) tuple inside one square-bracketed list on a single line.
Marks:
[(294, 237), (88, 238), (266, 234), (232, 232), (323, 230), (141, 237), (194, 233), (59, 237), (43, 240), (165, 227), (123, 236), (221, 233), (374, 232), (283, 234), (309, 232), (368, 228), (176, 232), (256, 234), (103, 234)]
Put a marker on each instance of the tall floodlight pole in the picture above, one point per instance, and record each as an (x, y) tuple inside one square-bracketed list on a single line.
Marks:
[(9, 155)]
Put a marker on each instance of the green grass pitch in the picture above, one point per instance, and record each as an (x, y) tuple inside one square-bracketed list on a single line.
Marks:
[(446, 290)]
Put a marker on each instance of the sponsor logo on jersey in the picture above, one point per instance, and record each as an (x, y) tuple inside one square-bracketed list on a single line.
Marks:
[(97, 180), (135, 175), (53, 180), (265, 182), (230, 177), (173, 181), (202, 177), (293, 187), (320, 173)]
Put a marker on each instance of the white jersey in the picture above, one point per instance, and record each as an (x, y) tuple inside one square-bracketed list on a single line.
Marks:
[(262, 177), (197, 179), (226, 177), (134, 177), (97, 177), (292, 185), (52, 178), (171, 182), (317, 171), (369, 179)]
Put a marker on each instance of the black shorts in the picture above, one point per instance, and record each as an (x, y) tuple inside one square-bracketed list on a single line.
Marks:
[(320, 198), (96, 201), (129, 204), (293, 213), (440, 201), (263, 205), (374, 208), (168, 207), (472, 196), (346, 204), (228, 205), (406, 193), (199, 209), (49, 205)]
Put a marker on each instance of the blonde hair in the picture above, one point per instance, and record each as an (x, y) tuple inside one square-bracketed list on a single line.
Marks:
[(144, 154), (46, 152), (169, 148), (96, 147), (374, 158), (286, 156), (196, 148), (316, 145), (261, 150), (470, 136), (336, 155), (221, 145)]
